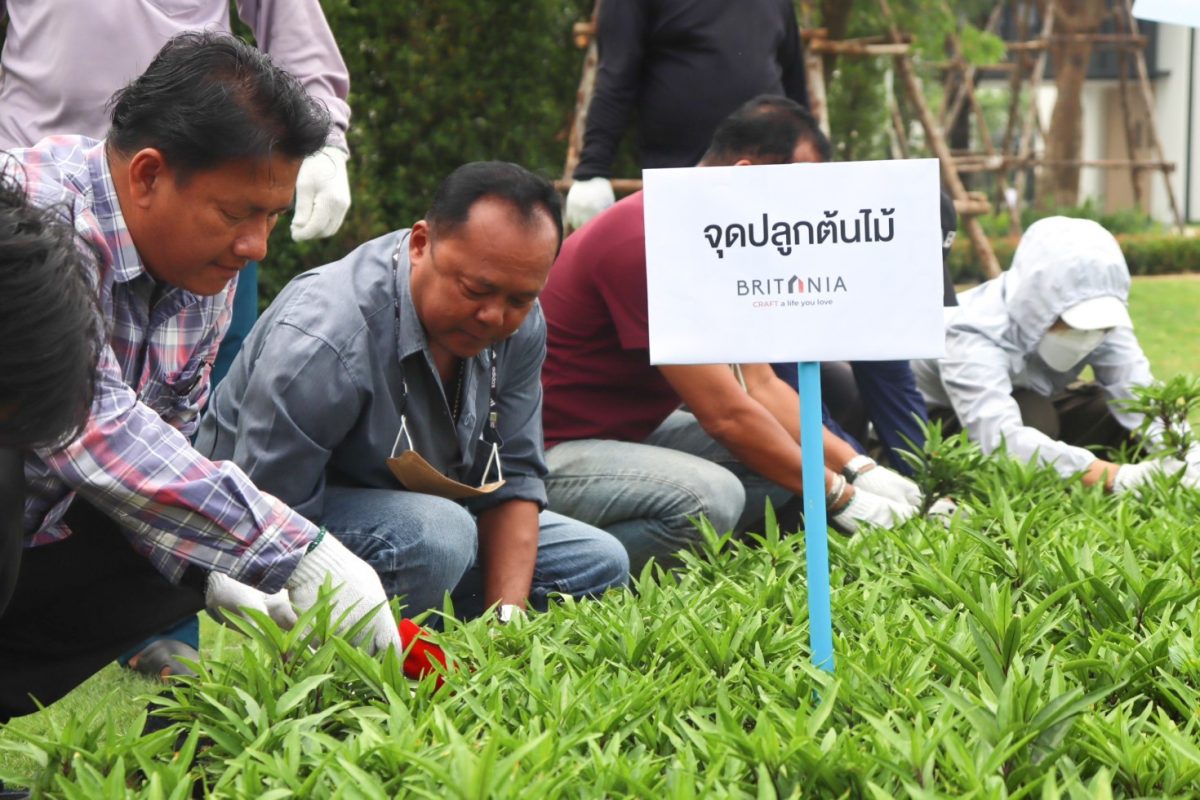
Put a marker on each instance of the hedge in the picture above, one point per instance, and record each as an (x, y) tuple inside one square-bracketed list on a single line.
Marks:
[(1146, 254), (433, 86)]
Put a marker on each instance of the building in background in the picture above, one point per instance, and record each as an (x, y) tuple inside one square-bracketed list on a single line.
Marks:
[(1174, 73)]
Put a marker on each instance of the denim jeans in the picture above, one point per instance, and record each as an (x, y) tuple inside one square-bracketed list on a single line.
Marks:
[(424, 546), (647, 494)]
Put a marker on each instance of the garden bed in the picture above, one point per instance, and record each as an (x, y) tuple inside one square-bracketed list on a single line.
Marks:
[(1043, 646)]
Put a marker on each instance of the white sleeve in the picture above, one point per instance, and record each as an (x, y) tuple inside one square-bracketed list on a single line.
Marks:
[(1120, 365), (976, 375)]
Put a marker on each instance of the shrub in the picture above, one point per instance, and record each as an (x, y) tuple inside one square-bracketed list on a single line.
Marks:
[(1146, 254), (1126, 220), (434, 85)]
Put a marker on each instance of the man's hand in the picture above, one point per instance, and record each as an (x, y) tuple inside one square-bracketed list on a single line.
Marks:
[(586, 199), (358, 591), (224, 596), (1133, 476), (322, 194), (944, 510), (865, 508), (508, 545), (864, 473)]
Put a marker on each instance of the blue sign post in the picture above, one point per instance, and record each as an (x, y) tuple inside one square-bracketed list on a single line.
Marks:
[(816, 534), (781, 263)]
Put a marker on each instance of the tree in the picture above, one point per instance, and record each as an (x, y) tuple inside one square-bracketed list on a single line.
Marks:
[(1059, 186), (856, 87)]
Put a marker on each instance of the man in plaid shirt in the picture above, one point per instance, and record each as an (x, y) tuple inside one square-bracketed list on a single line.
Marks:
[(128, 528)]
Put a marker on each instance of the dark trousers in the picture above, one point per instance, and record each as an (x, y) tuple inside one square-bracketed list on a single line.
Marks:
[(12, 506), (1078, 416), (883, 393), (79, 603)]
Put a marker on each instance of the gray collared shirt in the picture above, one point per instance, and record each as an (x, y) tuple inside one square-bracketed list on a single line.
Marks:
[(314, 397)]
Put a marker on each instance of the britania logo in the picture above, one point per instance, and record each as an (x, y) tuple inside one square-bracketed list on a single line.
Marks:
[(824, 284)]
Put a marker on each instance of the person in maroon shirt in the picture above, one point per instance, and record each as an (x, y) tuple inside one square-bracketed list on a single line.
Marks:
[(622, 454)]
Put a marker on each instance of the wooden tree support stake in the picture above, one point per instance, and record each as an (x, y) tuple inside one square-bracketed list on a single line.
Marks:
[(933, 134)]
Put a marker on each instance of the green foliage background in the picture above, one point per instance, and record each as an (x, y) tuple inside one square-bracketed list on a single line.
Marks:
[(433, 86), (1146, 254)]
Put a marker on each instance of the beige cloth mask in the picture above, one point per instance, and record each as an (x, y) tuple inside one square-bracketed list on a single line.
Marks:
[(418, 475)]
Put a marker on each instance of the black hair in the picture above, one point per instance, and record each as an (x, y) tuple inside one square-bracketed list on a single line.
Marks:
[(766, 130), (208, 98), (524, 191), (50, 327)]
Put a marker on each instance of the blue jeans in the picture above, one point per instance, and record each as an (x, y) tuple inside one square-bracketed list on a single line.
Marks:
[(424, 546), (647, 494)]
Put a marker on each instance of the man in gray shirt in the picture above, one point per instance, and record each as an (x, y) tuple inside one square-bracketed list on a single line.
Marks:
[(426, 341)]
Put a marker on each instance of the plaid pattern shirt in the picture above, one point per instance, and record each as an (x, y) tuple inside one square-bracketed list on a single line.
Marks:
[(134, 459)]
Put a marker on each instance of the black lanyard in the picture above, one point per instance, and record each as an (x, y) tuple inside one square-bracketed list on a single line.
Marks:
[(489, 434)]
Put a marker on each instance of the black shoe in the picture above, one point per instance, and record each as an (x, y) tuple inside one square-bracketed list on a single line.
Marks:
[(12, 794), (156, 722)]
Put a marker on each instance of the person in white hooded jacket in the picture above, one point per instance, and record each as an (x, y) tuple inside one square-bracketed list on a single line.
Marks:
[(1016, 345)]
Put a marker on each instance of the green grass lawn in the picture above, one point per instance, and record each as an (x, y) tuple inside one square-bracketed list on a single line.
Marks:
[(1166, 313), (917, 662)]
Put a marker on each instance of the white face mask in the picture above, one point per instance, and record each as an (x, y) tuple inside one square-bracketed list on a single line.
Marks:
[(1062, 350)]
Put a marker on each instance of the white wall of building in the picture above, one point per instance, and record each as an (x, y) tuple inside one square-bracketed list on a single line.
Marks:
[(1095, 141), (1171, 111), (1171, 117)]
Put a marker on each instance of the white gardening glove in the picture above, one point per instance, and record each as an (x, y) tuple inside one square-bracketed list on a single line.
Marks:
[(586, 199), (866, 508), (1133, 476), (944, 507), (223, 595), (864, 473), (1193, 461), (358, 591), (322, 194), (944, 510)]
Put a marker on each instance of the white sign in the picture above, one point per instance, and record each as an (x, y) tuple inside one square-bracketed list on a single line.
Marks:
[(1176, 12), (795, 262)]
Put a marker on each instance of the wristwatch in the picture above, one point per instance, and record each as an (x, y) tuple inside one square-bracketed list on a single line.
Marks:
[(506, 612), (857, 466)]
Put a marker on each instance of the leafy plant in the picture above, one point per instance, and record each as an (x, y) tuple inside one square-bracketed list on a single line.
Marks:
[(1042, 647), (946, 466), (1123, 221), (1145, 254), (1165, 407)]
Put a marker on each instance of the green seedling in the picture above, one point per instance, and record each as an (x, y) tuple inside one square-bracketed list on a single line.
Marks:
[(1044, 646), (945, 466), (1165, 406)]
